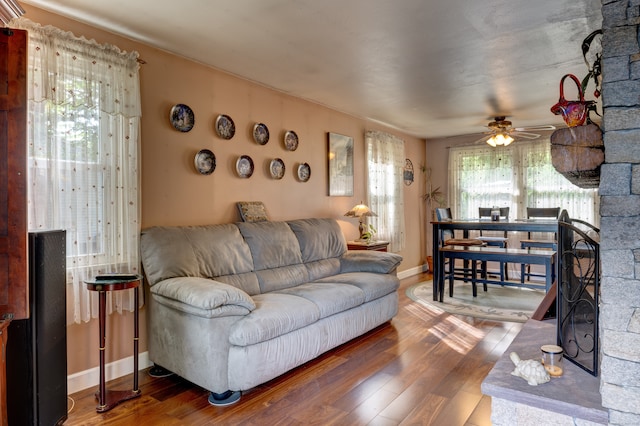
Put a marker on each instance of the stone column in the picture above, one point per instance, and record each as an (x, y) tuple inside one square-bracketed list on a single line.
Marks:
[(620, 213)]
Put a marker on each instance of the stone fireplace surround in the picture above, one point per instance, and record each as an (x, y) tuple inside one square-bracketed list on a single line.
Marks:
[(619, 378), (572, 399)]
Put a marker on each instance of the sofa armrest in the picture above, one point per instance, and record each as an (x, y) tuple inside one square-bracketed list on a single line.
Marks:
[(202, 296), (369, 261)]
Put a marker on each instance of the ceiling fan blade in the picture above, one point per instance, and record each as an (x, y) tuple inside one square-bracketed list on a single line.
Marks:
[(526, 135), (482, 139), (535, 128)]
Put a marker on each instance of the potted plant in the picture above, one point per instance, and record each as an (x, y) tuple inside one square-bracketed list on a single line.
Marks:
[(369, 235), (433, 197)]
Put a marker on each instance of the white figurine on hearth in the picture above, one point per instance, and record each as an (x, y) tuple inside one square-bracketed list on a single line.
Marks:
[(531, 370)]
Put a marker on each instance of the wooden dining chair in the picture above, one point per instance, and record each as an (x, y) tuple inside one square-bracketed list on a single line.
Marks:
[(447, 238), (491, 239), (537, 241)]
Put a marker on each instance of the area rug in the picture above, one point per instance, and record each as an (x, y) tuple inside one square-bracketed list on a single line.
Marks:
[(510, 304)]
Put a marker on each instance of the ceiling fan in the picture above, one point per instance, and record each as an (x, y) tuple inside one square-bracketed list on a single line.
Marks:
[(501, 132)]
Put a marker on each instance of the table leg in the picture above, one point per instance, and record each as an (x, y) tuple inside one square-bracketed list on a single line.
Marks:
[(102, 301), (441, 274), (437, 267), (135, 341), (548, 275)]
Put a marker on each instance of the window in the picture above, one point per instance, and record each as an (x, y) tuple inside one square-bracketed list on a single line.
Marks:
[(385, 186), (83, 126), (518, 176)]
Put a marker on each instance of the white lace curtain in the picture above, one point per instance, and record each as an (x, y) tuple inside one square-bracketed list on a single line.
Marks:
[(518, 176), (385, 187), (83, 137)]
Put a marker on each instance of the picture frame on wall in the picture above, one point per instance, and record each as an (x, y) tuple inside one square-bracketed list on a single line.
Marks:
[(340, 154)]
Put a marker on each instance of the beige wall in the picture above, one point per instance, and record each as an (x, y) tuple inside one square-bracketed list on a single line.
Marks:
[(173, 193)]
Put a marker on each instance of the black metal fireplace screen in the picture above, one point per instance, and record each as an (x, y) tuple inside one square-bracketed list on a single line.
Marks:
[(578, 292)]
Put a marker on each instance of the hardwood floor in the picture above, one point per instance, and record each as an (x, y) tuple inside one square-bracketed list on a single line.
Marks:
[(424, 368)]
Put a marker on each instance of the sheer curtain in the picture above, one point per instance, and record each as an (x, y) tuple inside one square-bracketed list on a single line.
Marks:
[(83, 135), (518, 176), (385, 196)]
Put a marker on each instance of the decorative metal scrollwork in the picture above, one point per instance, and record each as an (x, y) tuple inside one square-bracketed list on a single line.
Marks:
[(578, 293)]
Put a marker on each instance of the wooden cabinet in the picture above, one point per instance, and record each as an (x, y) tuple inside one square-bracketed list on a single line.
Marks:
[(374, 245), (14, 295)]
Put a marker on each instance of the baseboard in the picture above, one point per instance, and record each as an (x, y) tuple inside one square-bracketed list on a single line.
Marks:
[(412, 271), (91, 378)]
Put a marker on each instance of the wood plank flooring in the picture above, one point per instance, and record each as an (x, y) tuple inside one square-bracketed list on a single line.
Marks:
[(423, 368)]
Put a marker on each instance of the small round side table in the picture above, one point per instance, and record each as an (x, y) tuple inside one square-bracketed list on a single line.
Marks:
[(107, 399)]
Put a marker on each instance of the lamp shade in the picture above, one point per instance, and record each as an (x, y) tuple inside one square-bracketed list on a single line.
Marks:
[(360, 210)]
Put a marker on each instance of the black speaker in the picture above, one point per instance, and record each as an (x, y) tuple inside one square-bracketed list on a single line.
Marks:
[(37, 346)]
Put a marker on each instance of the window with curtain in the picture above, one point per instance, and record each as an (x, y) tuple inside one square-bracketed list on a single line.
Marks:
[(518, 176), (83, 131), (385, 186)]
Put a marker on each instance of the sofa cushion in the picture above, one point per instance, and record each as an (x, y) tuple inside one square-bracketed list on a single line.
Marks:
[(247, 282), (202, 296), (252, 211), (193, 251), (272, 244), (275, 314), (330, 298), (283, 277), (370, 261), (318, 238), (373, 285), (322, 268)]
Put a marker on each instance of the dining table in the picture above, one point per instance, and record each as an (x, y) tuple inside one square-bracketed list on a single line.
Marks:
[(466, 225)]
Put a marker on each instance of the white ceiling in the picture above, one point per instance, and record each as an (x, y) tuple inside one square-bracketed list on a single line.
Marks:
[(430, 68)]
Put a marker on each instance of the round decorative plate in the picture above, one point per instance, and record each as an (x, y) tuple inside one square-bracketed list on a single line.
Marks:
[(225, 127), (260, 133), (304, 172), (408, 172), (244, 166), (277, 168), (291, 140), (205, 162), (182, 118)]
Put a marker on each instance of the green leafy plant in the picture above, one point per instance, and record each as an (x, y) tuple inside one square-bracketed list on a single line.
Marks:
[(434, 196), (371, 232)]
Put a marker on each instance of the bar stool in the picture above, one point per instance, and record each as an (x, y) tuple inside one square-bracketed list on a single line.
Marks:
[(541, 242), (447, 238)]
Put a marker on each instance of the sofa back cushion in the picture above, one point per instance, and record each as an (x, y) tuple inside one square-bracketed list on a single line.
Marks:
[(256, 257), (206, 251), (319, 239), (276, 255), (272, 244)]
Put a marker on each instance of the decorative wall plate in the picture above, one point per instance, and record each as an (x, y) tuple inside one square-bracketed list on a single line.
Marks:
[(260, 133), (244, 166), (290, 140), (277, 168), (181, 117), (304, 172), (408, 172), (225, 127), (205, 162)]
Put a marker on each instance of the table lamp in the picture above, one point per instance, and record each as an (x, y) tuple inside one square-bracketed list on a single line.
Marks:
[(360, 211)]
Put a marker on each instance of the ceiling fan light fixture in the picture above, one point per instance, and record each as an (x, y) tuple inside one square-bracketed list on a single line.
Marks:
[(499, 139)]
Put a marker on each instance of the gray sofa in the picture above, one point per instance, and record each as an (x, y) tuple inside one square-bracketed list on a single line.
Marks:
[(235, 305)]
